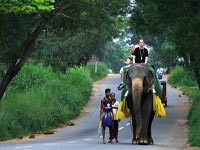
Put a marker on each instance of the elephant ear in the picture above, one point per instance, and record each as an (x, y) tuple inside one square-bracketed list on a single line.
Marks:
[(151, 80), (128, 82), (148, 80)]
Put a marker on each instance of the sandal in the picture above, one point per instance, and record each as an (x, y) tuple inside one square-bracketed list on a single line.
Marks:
[(121, 86), (111, 142)]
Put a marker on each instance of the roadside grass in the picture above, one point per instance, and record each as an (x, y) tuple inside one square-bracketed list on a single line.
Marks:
[(39, 99), (184, 79), (97, 70)]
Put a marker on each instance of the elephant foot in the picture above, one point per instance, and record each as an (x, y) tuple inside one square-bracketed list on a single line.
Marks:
[(150, 141), (143, 142), (135, 141)]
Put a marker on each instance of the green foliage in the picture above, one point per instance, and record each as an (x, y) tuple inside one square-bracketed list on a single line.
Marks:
[(65, 51), (182, 77), (112, 54), (97, 70), (94, 22), (26, 6), (194, 121), (193, 116), (185, 79), (71, 38), (39, 99), (177, 22), (29, 77), (75, 77)]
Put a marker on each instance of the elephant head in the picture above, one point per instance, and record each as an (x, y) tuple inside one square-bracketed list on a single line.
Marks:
[(140, 102)]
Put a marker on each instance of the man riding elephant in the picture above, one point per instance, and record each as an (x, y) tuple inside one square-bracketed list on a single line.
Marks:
[(140, 55)]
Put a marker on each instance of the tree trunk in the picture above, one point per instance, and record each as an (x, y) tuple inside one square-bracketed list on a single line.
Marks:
[(26, 49), (197, 75), (17, 65)]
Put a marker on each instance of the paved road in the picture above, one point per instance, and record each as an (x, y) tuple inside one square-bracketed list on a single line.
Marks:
[(169, 133)]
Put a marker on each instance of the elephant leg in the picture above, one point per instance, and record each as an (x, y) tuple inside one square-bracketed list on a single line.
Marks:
[(134, 140), (146, 117), (130, 106), (150, 139)]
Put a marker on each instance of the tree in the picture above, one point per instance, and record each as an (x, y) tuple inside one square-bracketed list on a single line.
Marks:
[(112, 54), (18, 41), (178, 21), (168, 55)]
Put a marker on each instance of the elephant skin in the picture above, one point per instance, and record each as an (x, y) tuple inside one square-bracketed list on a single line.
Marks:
[(140, 102)]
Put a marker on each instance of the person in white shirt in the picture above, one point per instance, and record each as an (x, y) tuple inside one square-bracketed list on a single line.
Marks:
[(127, 63), (115, 122), (159, 72)]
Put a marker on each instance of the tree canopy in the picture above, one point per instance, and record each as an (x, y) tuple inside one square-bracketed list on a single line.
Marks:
[(78, 26), (26, 6), (177, 22)]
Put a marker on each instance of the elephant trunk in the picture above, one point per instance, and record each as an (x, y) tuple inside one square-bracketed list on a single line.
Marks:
[(137, 90)]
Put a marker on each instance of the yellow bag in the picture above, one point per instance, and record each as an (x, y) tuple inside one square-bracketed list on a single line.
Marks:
[(123, 111), (158, 107)]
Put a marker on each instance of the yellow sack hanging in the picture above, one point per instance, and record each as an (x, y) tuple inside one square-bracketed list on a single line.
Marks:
[(123, 111), (158, 107)]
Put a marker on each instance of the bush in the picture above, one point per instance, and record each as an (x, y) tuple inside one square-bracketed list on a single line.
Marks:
[(185, 79), (193, 116), (194, 122), (182, 77), (39, 99), (97, 70), (31, 76)]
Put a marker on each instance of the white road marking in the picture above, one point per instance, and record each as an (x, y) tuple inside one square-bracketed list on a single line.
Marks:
[(71, 142), (128, 124), (50, 144), (23, 147), (120, 128), (88, 139)]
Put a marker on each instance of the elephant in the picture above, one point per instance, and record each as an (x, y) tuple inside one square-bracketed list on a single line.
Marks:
[(139, 80)]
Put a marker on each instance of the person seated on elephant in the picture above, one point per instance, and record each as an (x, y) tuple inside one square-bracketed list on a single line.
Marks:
[(124, 69), (140, 55), (106, 114)]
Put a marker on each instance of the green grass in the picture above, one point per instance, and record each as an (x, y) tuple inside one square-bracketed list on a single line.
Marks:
[(97, 70), (181, 77), (185, 80), (193, 116), (39, 99)]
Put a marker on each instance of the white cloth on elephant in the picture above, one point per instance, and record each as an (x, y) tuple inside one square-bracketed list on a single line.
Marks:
[(126, 93)]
